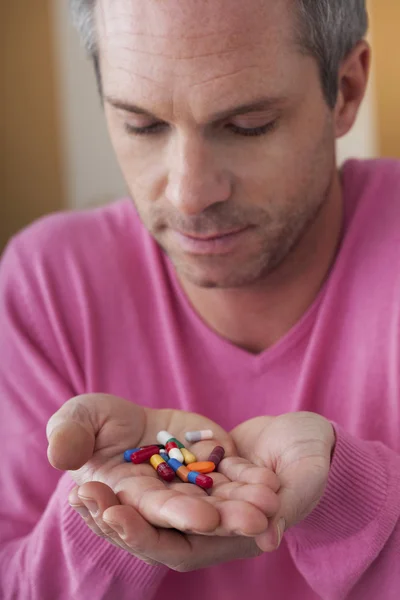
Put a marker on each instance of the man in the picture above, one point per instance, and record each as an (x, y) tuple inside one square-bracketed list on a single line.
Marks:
[(256, 292)]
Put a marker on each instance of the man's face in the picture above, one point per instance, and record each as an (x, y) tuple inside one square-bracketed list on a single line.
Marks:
[(221, 130)]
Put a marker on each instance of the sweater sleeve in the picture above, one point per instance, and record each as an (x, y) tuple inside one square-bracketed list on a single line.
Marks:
[(46, 549), (349, 546)]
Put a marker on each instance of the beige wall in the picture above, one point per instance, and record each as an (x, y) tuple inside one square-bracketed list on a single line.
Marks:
[(385, 25), (92, 174), (30, 165)]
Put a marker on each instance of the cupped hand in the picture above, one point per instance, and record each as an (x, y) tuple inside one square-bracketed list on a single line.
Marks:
[(176, 524), (298, 448)]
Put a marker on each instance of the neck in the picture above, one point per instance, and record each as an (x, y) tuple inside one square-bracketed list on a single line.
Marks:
[(284, 296)]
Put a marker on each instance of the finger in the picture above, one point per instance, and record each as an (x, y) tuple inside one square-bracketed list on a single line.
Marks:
[(171, 508), (95, 523), (245, 506), (260, 496), (97, 498), (71, 423), (239, 518), (88, 422), (271, 539), (78, 505), (168, 507), (240, 469), (175, 550)]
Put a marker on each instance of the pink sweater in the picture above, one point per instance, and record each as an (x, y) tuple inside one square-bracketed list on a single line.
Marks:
[(88, 303)]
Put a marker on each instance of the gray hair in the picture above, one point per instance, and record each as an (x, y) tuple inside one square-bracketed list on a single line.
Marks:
[(329, 30)]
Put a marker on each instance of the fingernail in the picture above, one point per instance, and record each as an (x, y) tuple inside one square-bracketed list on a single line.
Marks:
[(81, 510), (91, 505), (281, 530), (118, 528)]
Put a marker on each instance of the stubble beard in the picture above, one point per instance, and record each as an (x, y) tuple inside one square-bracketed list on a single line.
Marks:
[(278, 242)]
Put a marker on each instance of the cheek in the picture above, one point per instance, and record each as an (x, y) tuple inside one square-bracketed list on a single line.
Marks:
[(140, 163), (294, 165)]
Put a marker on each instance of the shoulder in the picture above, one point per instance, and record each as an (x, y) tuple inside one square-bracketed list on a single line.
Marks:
[(372, 180), (77, 230), (81, 237), (75, 258), (372, 197)]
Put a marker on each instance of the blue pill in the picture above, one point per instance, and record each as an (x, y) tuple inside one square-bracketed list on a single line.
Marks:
[(174, 464), (193, 475), (128, 454)]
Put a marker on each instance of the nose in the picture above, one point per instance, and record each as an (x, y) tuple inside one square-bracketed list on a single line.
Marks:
[(195, 181)]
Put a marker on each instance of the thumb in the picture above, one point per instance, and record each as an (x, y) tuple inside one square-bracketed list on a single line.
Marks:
[(301, 491), (71, 435)]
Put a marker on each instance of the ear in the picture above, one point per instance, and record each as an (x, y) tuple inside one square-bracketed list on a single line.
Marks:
[(353, 81)]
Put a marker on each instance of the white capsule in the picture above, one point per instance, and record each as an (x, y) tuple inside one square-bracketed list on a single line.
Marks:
[(197, 436), (176, 453), (163, 437)]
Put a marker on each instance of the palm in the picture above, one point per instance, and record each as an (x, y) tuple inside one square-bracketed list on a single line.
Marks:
[(297, 447), (240, 501)]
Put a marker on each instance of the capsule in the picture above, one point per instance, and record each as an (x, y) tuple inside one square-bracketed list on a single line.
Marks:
[(144, 454), (198, 436), (187, 476), (177, 454), (201, 480), (164, 455), (163, 437), (181, 471), (169, 445), (202, 467), (216, 455), (163, 470), (177, 442), (188, 456), (128, 454)]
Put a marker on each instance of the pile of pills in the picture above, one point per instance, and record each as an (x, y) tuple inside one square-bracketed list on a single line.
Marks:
[(170, 458)]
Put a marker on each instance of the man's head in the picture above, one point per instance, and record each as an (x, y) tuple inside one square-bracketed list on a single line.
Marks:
[(223, 115)]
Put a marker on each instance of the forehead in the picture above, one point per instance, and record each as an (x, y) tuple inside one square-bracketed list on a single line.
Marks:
[(164, 47)]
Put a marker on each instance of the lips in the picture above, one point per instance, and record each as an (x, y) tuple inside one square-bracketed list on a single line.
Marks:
[(216, 243), (211, 236)]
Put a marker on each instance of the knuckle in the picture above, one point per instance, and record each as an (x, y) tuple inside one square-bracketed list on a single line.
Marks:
[(148, 561), (99, 533), (182, 567)]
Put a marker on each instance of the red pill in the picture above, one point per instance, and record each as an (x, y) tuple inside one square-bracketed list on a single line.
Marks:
[(202, 481), (165, 472), (216, 455), (144, 454), (170, 445)]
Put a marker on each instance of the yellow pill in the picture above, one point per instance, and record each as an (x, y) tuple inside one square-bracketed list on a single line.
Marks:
[(202, 467), (188, 456), (156, 461)]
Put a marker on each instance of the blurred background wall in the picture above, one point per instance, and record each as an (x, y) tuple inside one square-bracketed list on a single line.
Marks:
[(55, 152)]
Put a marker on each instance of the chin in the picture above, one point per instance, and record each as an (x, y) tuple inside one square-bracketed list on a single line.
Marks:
[(217, 278)]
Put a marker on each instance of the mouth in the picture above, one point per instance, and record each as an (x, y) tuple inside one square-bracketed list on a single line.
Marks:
[(211, 243), (211, 236)]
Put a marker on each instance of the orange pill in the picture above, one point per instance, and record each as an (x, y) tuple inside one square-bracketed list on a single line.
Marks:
[(201, 467)]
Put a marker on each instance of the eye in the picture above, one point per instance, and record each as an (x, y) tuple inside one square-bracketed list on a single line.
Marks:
[(252, 131), (243, 131), (148, 130)]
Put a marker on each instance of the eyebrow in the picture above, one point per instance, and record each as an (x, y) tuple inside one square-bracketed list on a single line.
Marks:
[(259, 105)]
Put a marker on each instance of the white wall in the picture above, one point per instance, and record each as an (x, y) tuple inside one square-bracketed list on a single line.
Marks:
[(362, 141), (91, 172)]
